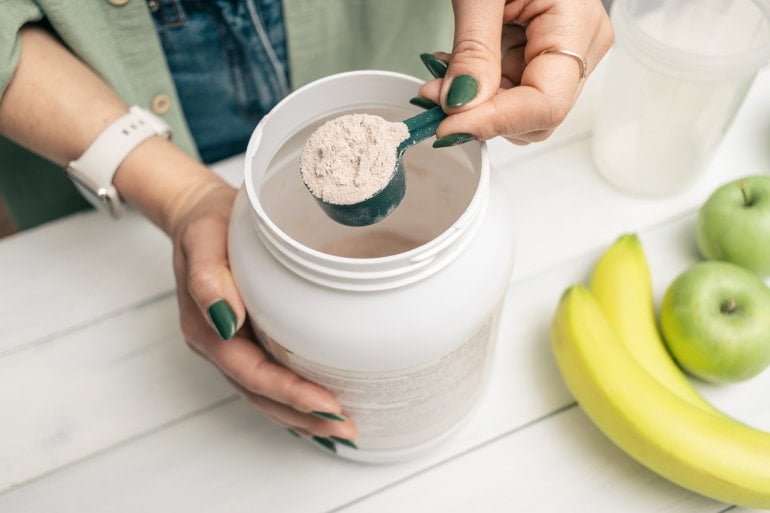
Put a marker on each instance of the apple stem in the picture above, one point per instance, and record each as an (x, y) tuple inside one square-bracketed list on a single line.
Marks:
[(729, 306), (742, 186)]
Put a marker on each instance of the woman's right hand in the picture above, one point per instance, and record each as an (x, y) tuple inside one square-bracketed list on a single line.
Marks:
[(516, 68)]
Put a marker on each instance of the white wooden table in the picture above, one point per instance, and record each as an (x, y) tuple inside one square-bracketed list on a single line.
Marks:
[(104, 409)]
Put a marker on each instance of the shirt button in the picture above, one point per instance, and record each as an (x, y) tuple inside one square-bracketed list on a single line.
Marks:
[(118, 2), (160, 104)]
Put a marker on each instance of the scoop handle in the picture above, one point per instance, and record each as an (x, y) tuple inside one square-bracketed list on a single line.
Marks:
[(422, 126)]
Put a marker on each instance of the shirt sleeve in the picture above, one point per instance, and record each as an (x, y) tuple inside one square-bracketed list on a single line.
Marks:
[(14, 14)]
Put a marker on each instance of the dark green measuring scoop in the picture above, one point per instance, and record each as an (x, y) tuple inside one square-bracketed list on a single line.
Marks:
[(378, 206)]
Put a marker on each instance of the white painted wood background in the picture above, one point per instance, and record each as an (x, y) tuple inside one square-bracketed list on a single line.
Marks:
[(104, 409)]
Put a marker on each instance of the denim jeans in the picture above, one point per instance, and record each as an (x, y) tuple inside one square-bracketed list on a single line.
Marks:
[(229, 63)]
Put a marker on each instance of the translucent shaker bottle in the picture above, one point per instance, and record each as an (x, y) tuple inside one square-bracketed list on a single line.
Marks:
[(677, 74)]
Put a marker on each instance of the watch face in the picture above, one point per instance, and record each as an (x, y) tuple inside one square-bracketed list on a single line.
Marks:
[(104, 200)]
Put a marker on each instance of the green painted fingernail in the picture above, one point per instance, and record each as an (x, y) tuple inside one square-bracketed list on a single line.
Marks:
[(462, 90), (325, 443), (290, 430), (452, 140), (223, 318), (436, 66), (344, 441), (328, 416), (424, 103)]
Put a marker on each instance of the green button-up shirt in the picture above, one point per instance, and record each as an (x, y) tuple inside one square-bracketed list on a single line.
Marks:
[(120, 44)]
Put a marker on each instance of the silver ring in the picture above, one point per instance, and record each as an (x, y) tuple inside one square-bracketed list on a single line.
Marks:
[(579, 58)]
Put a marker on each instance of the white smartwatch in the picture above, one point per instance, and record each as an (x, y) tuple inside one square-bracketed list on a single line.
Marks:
[(92, 173)]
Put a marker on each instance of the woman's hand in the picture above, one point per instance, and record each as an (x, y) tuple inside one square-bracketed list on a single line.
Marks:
[(183, 198), (503, 76), (213, 316)]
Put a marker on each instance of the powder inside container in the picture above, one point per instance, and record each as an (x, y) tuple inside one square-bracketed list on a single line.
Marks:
[(350, 158)]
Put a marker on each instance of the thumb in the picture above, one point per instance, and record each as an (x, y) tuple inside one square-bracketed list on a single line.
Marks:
[(209, 280), (473, 75)]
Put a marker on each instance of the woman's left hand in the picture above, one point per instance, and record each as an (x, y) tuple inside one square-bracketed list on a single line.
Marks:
[(213, 320)]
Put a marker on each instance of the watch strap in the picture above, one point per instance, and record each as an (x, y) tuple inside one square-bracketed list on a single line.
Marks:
[(93, 172)]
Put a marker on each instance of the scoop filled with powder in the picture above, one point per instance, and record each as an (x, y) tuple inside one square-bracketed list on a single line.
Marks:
[(350, 158), (352, 165)]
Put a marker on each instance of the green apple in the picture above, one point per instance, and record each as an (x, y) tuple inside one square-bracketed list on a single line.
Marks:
[(715, 319), (734, 224)]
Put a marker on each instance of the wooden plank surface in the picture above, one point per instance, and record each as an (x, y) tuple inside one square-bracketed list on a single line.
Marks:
[(88, 390), (62, 276), (526, 437)]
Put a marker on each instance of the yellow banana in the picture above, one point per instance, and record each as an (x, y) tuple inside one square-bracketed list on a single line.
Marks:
[(707, 453), (622, 285)]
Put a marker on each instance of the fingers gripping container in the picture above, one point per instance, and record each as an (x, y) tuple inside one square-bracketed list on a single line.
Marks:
[(397, 319)]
